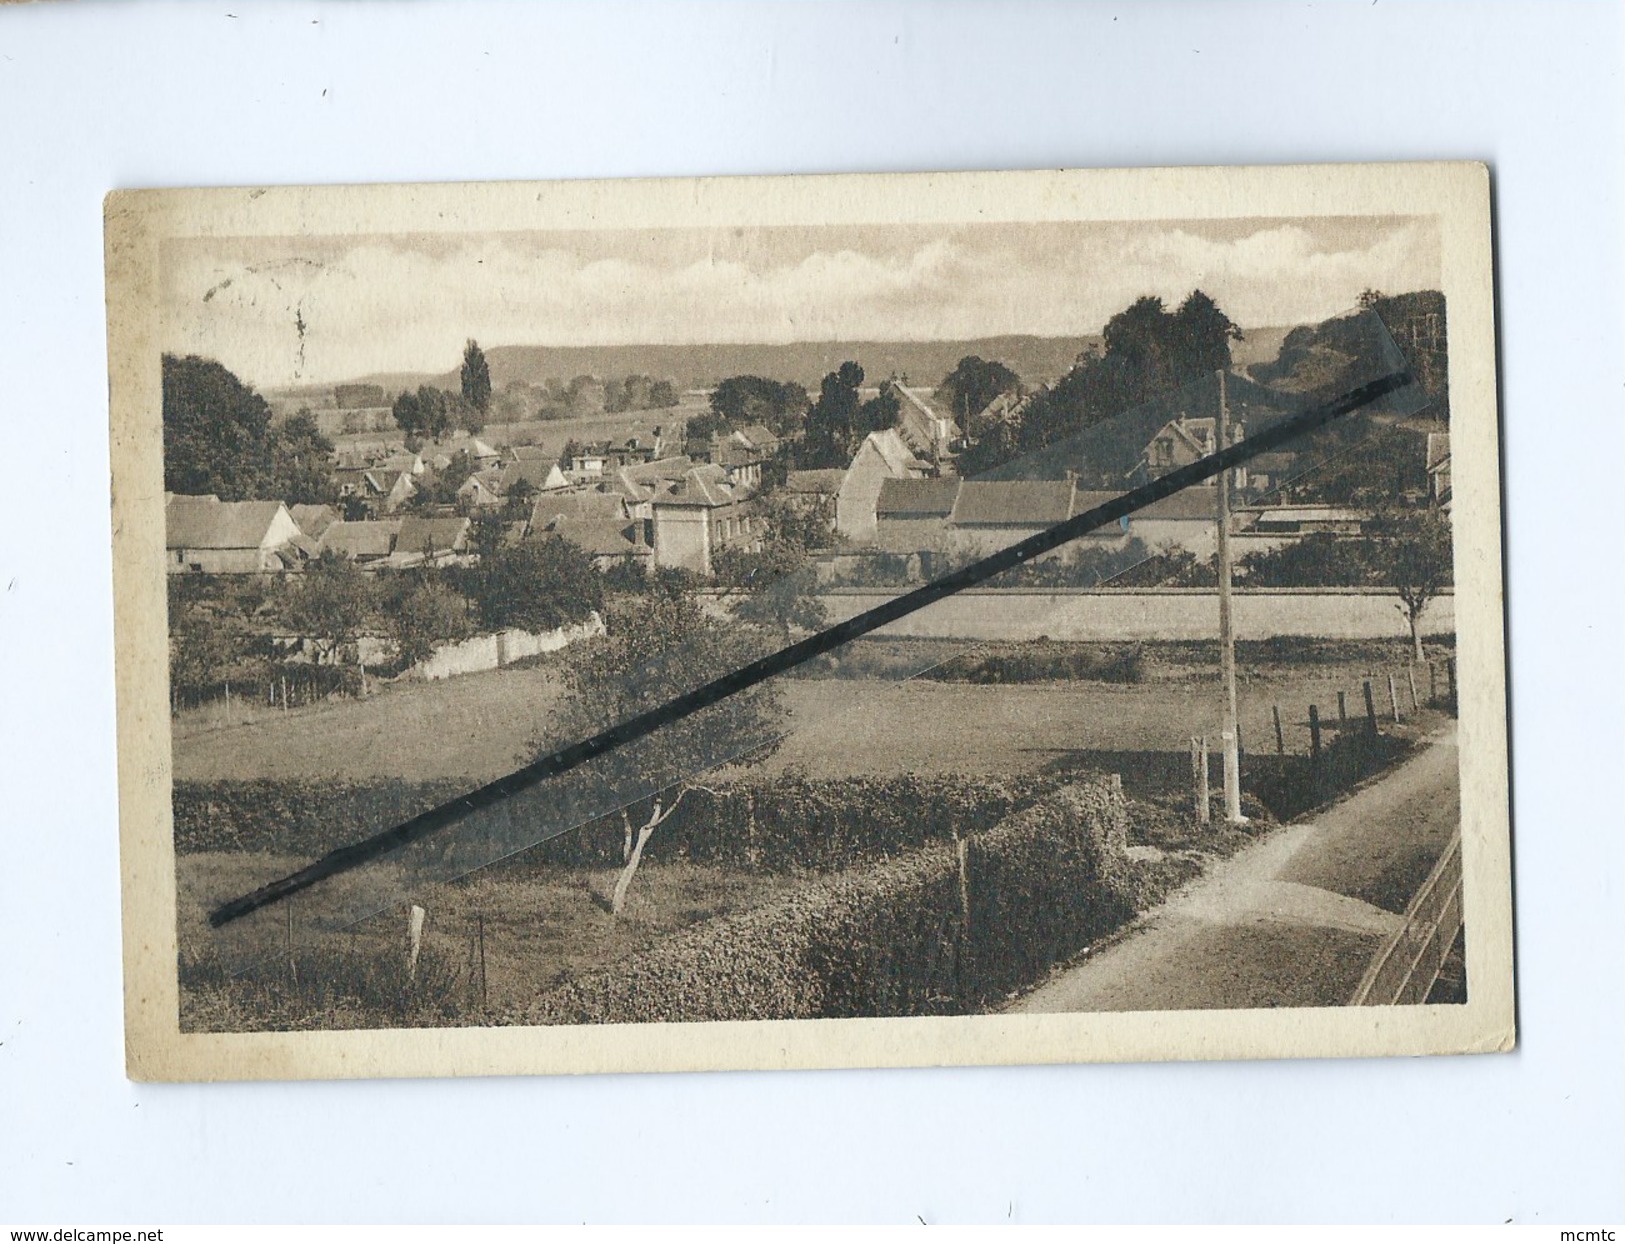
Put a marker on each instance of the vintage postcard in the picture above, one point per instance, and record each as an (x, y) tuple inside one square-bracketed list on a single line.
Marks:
[(809, 622)]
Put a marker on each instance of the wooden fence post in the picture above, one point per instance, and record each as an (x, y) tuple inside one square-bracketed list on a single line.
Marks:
[(1280, 740), (1199, 777), (485, 989), (293, 962), (1370, 707), (1450, 677), (414, 940), (1393, 697), (962, 850), (1314, 733), (1342, 712), (1433, 683), (1410, 677)]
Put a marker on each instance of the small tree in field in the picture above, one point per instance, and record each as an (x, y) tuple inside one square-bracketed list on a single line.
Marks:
[(535, 586), (331, 606), (659, 645), (428, 615), (1415, 560)]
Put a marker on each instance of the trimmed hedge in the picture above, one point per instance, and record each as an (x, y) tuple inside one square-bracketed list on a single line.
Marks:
[(1045, 662), (782, 826), (894, 938), (295, 817)]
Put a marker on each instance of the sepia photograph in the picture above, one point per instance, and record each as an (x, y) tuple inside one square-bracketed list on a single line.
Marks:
[(1018, 617)]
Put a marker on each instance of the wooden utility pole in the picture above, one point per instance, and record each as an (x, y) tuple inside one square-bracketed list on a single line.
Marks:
[(1227, 639)]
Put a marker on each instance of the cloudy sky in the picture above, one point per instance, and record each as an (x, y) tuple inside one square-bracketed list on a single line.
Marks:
[(310, 310)]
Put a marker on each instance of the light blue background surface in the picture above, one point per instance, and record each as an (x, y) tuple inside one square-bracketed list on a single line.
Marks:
[(97, 96)]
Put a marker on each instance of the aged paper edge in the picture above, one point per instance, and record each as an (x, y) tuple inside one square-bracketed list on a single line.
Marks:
[(137, 221)]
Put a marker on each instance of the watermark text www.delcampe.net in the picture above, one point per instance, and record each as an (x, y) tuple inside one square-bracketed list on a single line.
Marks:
[(91, 1235)]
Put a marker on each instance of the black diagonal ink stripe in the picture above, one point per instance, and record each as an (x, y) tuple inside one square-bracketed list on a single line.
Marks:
[(435, 819)]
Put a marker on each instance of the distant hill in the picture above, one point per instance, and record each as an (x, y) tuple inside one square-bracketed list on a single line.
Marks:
[(1037, 360), (1034, 359)]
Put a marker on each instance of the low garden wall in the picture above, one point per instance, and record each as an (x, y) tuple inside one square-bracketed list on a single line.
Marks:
[(1167, 614), (489, 652)]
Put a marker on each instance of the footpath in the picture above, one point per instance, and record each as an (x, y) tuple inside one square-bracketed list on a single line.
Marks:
[(1292, 920)]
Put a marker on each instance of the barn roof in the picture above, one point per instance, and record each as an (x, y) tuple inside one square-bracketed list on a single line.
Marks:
[(609, 506), (899, 458), (702, 485), (534, 471), (599, 537), (206, 523), (917, 498), (360, 539), (825, 482), (1198, 503), (313, 519), (435, 535), (1020, 503), (759, 435)]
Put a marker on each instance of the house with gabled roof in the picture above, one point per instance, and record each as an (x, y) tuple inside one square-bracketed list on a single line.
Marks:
[(1186, 520), (1182, 441), (882, 455), (702, 515), (989, 515), (759, 437), (312, 520), (529, 453), (912, 514), (541, 474), (381, 488), (589, 503), (742, 462), (481, 490), (363, 542), (443, 454), (928, 431), (430, 540), (609, 542), (203, 534)]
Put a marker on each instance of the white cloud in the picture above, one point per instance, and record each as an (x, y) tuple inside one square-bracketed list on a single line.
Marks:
[(328, 308)]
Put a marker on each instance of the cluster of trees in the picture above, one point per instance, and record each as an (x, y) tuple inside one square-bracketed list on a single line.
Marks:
[(431, 413), (841, 418), (743, 400), (638, 392), (224, 629), (582, 397), (1147, 350), (219, 438), (974, 382)]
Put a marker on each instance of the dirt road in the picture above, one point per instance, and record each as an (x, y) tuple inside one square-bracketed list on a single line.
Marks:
[(1291, 921)]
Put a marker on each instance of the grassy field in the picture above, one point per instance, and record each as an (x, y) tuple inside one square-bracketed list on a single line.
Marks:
[(541, 926), (481, 726), (545, 924)]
